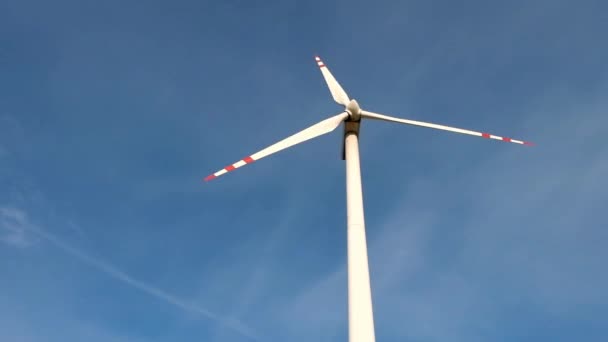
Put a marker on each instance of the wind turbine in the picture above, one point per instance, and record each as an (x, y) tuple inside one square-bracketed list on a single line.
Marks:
[(360, 313)]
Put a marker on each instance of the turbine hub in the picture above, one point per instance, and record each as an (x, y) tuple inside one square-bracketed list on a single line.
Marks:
[(353, 110)]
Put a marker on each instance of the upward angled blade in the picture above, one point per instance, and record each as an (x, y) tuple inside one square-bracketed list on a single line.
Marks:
[(336, 90), (311, 132), (370, 115)]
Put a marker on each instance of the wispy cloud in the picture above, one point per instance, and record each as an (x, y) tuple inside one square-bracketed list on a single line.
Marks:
[(13, 227), (16, 222)]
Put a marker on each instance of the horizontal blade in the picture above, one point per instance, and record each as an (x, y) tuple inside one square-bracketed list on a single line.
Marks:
[(336, 90), (376, 116), (311, 132)]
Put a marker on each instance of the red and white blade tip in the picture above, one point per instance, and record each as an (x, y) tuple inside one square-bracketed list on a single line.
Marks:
[(244, 161), (319, 62), (496, 137)]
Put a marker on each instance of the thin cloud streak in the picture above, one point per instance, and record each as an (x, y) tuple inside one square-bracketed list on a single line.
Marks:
[(125, 278)]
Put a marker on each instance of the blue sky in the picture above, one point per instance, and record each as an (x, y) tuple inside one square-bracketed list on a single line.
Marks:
[(112, 112)]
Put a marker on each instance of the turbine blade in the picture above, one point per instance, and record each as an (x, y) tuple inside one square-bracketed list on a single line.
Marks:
[(336, 90), (311, 132), (377, 116)]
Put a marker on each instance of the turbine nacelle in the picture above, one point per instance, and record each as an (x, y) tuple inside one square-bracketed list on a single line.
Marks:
[(353, 110)]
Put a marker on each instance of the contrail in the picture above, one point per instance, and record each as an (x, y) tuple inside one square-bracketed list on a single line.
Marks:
[(125, 278)]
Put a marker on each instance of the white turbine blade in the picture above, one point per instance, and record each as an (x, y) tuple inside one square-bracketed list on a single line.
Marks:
[(337, 92), (376, 116), (311, 132)]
